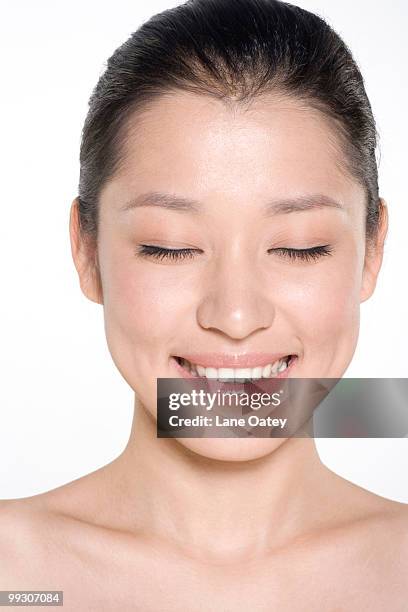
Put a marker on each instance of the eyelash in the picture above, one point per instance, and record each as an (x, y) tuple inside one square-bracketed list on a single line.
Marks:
[(178, 254)]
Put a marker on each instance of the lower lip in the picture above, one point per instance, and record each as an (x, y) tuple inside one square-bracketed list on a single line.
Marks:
[(186, 374)]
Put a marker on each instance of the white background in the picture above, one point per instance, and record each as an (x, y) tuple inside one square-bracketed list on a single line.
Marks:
[(64, 408)]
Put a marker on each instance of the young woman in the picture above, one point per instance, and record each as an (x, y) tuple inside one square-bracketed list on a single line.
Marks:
[(228, 215)]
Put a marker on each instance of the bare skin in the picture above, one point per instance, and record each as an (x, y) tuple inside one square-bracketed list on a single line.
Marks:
[(220, 524), (336, 556)]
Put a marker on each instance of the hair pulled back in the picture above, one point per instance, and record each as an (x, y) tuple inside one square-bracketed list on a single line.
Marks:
[(233, 50)]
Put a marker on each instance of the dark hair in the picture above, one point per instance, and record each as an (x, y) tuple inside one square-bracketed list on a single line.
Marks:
[(233, 50)]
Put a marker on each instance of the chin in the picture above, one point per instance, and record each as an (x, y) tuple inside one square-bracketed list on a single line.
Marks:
[(231, 449)]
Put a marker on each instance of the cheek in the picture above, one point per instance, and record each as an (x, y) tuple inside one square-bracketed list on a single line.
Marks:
[(325, 305), (142, 302)]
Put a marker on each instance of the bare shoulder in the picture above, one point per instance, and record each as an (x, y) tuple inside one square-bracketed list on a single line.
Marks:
[(19, 522), (375, 528), (397, 520), (393, 527), (49, 533), (37, 540), (372, 508), (384, 543), (20, 535)]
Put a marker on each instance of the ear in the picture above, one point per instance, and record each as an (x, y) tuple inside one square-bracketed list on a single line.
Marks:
[(374, 255), (84, 254)]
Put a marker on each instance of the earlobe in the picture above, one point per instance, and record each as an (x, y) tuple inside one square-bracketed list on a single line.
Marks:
[(84, 255), (374, 255), (367, 286)]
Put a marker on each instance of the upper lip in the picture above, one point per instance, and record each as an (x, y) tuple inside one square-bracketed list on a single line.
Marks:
[(223, 360)]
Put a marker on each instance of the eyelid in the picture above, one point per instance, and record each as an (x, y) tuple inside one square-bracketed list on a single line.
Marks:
[(158, 252), (305, 254)]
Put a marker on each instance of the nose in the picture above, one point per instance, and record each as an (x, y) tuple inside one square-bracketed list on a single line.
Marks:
[(235, 302)]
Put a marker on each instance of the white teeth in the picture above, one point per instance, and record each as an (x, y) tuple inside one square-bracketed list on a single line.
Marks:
[(226, 373), (237, 374), (242, 372), (274, 368), (257, 372)]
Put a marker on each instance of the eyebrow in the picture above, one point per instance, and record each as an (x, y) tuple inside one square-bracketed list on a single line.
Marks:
[(278, 206)]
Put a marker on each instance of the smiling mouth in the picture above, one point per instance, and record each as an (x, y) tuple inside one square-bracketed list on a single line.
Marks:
[(278, 369)]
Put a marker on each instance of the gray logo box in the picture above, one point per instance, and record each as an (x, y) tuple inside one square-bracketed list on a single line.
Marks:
[(31, 598), (289, 407)]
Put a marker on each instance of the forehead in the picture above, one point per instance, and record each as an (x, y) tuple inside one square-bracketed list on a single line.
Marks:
[(200, 145)]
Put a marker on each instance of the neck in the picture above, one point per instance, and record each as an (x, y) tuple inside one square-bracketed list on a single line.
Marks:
[(215, 509)]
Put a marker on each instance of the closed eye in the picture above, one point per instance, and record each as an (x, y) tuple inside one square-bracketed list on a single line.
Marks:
[(159, 252), (163, 253), (312, 253)]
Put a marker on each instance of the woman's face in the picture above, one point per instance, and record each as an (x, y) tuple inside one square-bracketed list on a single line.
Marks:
[(235, 291)]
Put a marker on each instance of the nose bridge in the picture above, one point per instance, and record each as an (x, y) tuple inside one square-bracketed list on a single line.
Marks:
[(235, 300)]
